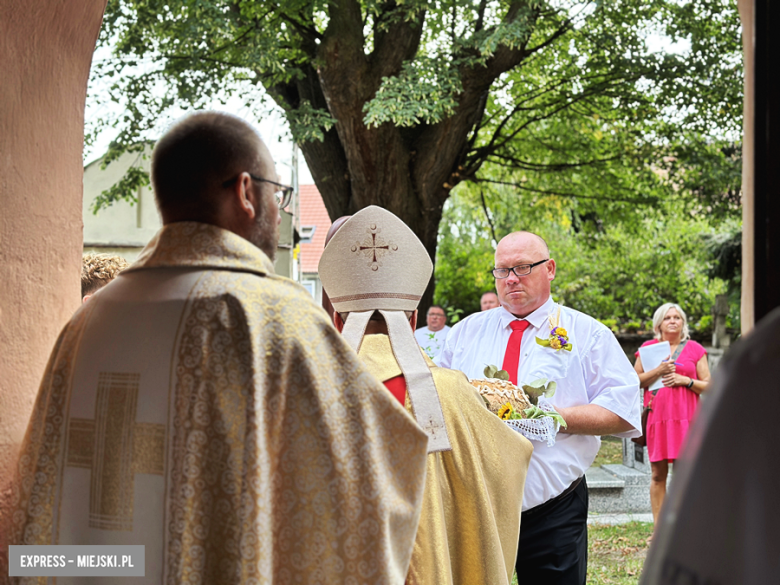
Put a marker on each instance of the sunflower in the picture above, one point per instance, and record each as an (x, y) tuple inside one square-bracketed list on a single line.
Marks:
[(555, 343), (505, 412)]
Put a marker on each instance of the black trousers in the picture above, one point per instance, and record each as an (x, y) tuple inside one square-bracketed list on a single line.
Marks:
[(554, 541)]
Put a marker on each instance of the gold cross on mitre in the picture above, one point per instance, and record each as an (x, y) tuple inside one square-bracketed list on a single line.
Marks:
[(374, 247)]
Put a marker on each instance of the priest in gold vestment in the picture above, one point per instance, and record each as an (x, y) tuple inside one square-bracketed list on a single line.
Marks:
[(206, 408), (374, 270)]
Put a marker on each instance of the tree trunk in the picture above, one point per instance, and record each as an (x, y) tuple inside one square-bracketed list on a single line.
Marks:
[(408, 171)]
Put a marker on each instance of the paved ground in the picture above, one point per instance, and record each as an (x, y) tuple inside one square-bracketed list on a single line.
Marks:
[(618, 518)]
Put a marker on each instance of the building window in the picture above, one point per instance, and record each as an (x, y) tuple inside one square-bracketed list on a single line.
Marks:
[(307, 233), (310, 286)]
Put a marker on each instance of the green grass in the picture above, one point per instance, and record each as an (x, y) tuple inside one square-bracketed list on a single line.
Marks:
[(611, 451), (616, 554)]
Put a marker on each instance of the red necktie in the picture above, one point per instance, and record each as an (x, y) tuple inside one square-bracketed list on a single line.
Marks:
[(512, 355)]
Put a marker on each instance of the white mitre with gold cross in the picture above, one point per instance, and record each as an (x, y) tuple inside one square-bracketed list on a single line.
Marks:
[(374, 262)]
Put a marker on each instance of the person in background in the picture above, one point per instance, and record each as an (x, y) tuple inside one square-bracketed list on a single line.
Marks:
[(97, 270), (431, 338), (674, 405), (488, 301), (719, 523), (476, 464), (531, 337)]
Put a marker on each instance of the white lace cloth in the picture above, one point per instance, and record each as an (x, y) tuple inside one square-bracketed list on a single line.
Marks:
[(538, 429)]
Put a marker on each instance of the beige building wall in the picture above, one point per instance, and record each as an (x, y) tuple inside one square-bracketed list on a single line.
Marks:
[(122, 225), (123, 228), (45, 55)]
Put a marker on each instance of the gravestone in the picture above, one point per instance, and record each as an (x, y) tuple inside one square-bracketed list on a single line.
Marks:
[(720, 337), (635, 456)]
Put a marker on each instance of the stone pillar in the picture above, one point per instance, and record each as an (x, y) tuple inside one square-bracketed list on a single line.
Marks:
[(720, 337), (748, 211), (45, 55), (760, 172)]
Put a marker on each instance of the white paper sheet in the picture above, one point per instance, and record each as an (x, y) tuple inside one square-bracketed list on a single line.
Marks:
[(652, 356)]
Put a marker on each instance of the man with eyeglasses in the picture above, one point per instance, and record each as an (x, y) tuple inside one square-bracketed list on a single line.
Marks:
[(204, 407), (531, 337), (431, 337)]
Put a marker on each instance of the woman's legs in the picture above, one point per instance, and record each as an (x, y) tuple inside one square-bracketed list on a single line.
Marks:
[(659, 471)]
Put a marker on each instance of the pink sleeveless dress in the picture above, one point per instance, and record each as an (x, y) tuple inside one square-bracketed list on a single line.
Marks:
[(673, 409)]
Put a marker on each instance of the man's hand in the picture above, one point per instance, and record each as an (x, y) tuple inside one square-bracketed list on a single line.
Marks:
[(591, 419)]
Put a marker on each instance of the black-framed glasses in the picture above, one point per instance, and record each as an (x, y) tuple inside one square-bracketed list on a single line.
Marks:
[(283, 195), (519, 270)]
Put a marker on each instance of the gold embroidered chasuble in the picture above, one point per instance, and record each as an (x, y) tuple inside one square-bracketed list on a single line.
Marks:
[(204, 407), (470, 523)]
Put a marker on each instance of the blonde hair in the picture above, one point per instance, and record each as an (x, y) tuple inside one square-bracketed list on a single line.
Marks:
[(97, 270), (658, 318)]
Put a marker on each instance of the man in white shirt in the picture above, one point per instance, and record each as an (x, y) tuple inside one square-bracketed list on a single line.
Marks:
[(488, 301), (597, 394), (431, 338)]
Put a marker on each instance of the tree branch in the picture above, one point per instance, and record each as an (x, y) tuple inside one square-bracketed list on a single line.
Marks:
[(505, 58), (205, 59), (487, 215), (531, 166), (233, 42), (480, 16), (567, 26), (307, 32), (648, 201), (497, 141), (397, 44), (344, 34)]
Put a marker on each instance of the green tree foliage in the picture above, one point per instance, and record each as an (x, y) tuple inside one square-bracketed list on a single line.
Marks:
[(395, 103)]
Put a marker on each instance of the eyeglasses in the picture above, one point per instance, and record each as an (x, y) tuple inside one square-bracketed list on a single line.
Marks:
[(519, 270), (283, 194)]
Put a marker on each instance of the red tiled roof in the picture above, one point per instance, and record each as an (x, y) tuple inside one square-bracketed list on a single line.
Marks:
[(313, 212)]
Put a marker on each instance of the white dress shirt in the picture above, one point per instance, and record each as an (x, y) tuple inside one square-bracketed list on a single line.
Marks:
[(432, 342), (595, 371)]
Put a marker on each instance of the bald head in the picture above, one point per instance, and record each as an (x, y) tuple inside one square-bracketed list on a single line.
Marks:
[(527, 241), (196, 156), (522, 295), (334, 227)]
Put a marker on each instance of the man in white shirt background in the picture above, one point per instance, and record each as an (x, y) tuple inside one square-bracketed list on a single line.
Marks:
[(488, 301), (431, 338), (597, 394)]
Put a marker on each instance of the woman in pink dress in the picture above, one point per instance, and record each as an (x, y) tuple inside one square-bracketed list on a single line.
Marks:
[(673, 406)]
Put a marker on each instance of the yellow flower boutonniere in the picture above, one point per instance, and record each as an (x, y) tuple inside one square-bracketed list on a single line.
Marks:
[(559, 337)]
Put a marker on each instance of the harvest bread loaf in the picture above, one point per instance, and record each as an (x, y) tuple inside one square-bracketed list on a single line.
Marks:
[(497, 393)]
